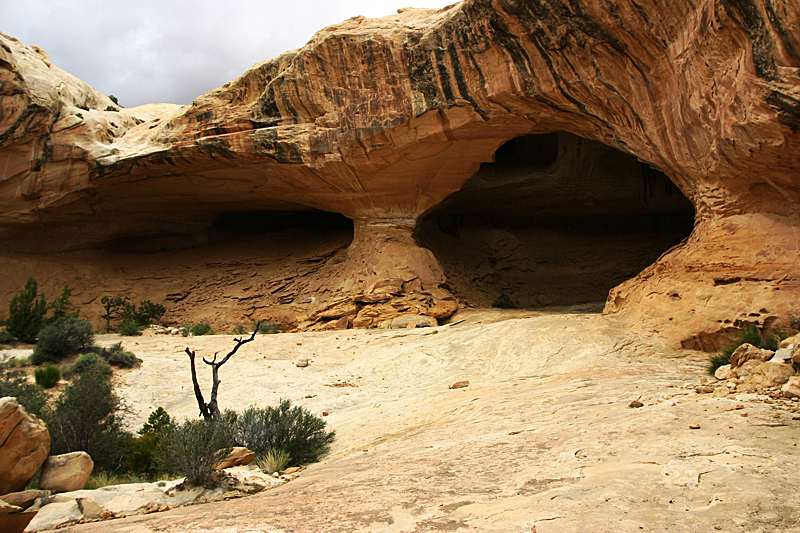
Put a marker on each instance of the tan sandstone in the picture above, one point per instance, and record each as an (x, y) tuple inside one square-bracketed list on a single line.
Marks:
[(24, 445)]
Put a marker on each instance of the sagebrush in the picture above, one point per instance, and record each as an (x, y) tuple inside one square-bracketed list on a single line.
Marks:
[(292, 429)]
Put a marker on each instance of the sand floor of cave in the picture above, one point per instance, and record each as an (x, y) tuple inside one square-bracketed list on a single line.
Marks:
[(543, 438)]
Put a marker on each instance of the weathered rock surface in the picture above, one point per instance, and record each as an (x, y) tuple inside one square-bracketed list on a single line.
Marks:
[(542, 438), (24, 445), (66, 472), (141, 498), (380, 120)]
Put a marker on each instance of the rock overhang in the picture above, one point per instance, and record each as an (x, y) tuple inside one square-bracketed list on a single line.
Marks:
[(382, 119)]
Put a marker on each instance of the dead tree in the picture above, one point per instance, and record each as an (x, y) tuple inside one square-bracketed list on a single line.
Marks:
[(211, 409)]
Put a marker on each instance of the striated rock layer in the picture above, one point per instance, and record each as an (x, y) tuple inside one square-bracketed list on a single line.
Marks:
[(381, 121)]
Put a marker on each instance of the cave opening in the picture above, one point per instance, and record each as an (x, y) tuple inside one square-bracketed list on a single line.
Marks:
[(555, 220)]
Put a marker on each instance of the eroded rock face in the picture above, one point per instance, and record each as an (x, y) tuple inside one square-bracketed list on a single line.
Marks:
[(381, 120), (24, 445)]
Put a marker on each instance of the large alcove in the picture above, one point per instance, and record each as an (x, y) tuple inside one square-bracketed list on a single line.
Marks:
[(556, 219)]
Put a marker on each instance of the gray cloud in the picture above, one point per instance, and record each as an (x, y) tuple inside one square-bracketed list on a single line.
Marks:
[(174, 50)]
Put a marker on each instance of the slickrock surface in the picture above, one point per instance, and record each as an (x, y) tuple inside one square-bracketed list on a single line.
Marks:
[(381, 120), (542, 437)]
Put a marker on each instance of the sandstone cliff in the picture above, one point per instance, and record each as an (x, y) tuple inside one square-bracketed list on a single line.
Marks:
[(381, 120)]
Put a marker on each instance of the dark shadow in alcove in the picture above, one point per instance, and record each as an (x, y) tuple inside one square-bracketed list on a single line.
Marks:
[(234, 225), (555, 220)]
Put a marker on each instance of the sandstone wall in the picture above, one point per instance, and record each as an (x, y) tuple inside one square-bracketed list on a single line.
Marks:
[(380, 120)]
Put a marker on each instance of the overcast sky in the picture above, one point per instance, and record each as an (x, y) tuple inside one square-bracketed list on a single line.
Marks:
[(172, 51)]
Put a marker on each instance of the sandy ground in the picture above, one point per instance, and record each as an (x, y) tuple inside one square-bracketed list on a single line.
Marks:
[(543, 438)]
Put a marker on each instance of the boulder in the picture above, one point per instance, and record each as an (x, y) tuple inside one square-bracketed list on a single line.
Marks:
[(723, 372), (239, 456), (25, 445), (443, 309), (748, 352), (66, 472), (792, 387)]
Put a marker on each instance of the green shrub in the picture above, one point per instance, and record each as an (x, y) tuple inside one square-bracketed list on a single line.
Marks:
[(47, 375), (84, 419), (14, 383), (115, 355), (129, 328), (6, 337), (64, 337), (84, 363), (749, 335), (200, 329), (504, 301), (293, 430), (111, 108), (26, 313), (193, 448), (268, 328)]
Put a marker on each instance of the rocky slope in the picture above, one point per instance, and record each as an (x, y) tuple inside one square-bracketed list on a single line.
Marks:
[(543, 438), (382, 120)]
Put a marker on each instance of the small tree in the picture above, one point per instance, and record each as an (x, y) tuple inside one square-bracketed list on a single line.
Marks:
[(113, 305), (211, 409), (62, 307), (26, 313)]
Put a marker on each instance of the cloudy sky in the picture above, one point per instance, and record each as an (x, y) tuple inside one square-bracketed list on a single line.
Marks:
[(174, 50)]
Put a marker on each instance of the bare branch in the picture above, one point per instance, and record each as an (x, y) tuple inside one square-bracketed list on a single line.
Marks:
[(197, 392), (210, 409)]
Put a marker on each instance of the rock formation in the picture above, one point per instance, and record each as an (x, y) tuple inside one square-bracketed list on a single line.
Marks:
[(302, 190), (24, 445)]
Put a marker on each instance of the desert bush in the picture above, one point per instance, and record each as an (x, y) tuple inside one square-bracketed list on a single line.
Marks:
[(26, 313), (193, 448), (749, 335), (14, 383), (268, 328), (115, 355), (6, 337), (504, 301), (273, 461), (66, 336), (200, 329), (47, 375), (84, 363), (129, 328), (293, 430), (84, 419)]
